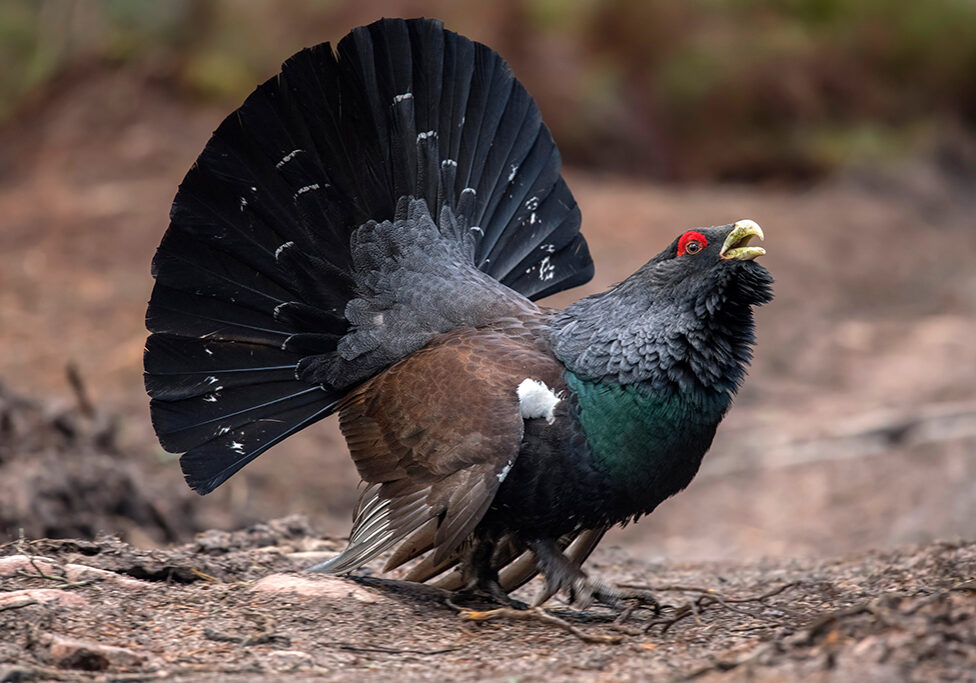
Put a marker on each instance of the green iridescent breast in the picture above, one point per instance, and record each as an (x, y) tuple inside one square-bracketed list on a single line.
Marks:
[(634, 433)]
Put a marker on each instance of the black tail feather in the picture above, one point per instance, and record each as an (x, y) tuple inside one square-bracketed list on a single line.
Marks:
[(179, 368), (254, 273), (185, 423), (213, 462)]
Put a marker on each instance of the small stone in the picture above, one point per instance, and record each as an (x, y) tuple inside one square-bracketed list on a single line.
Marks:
[(74, 653), (22, 564), (15, 564), (43, 596), (80, 572), (331, 587)]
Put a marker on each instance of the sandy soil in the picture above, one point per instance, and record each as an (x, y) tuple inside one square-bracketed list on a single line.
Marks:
[(855, 430)]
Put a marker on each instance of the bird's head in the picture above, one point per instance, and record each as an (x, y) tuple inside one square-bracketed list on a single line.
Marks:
[(704, 268), (684, 318)]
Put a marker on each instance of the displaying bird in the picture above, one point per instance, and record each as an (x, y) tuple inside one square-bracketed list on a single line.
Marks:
[(366, 236)]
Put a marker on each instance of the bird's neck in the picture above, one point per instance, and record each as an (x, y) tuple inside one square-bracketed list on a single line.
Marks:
[(625, 336), (652, 381)]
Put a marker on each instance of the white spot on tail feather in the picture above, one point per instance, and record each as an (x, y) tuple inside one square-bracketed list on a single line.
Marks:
[(426, 134), (307, 188), (400, 98), (537, 400), (237, 447), (546, 269), (504, 473), (288, 157), (282, 248), (511, 175)]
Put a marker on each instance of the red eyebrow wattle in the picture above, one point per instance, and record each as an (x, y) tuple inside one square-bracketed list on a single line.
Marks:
[(688, 237)]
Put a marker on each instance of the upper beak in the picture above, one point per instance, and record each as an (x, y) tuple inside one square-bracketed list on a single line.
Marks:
[(736, 245)]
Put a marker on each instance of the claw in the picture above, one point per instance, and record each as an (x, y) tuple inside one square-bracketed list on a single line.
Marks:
[(613, 596)]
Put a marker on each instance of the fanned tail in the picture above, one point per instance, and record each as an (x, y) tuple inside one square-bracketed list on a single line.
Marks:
[(256, 269)]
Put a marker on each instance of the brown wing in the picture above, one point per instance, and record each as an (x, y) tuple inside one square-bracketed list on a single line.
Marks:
[(434, 436)]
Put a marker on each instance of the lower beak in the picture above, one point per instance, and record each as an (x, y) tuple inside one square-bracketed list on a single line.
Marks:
[(736, 245)]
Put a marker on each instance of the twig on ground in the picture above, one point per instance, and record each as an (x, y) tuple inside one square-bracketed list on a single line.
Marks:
[(710, 591), (77, 383), (24, 549), (534, 614), (667, 622), (393, 650), (246, 641), (266, 634), (26, 602), (707, 597), (721, 665), (205, 576), (822, 623), (968, 586)]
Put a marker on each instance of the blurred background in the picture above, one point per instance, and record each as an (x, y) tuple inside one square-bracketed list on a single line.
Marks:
[(846, 128)]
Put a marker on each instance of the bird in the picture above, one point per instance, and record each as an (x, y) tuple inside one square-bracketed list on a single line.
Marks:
[(367, 235)]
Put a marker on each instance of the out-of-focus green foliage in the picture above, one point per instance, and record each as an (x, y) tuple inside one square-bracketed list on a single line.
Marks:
[(752, 88), (728, 89)]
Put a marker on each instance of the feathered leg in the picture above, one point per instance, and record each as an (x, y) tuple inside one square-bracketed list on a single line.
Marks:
[(481, 576)]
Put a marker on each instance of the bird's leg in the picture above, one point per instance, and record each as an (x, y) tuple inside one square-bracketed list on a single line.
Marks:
[(481, 577), (562, 573), (559, 572)]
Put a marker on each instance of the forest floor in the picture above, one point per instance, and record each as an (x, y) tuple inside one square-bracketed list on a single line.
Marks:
[(856, 429), (236, 607)]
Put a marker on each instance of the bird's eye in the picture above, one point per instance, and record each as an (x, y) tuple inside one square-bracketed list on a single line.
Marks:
[(691, 242)]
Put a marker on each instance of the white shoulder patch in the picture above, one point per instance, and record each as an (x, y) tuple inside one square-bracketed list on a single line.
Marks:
[(536, 400)]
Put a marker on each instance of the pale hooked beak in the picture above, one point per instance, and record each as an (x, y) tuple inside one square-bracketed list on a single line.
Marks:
[(736, 245)]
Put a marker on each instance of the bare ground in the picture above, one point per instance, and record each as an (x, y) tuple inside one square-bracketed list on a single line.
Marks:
[(855, 430), (232, 607)]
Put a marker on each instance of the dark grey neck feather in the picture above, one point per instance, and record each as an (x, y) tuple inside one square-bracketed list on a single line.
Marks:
[(663, 332)]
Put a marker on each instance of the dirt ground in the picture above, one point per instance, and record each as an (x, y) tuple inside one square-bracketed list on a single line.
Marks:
[(856, 430), (232, 607)]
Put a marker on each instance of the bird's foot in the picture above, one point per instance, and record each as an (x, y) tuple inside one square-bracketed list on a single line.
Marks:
[(584, 592), (564, 575), (613, 596), (490, 592)]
